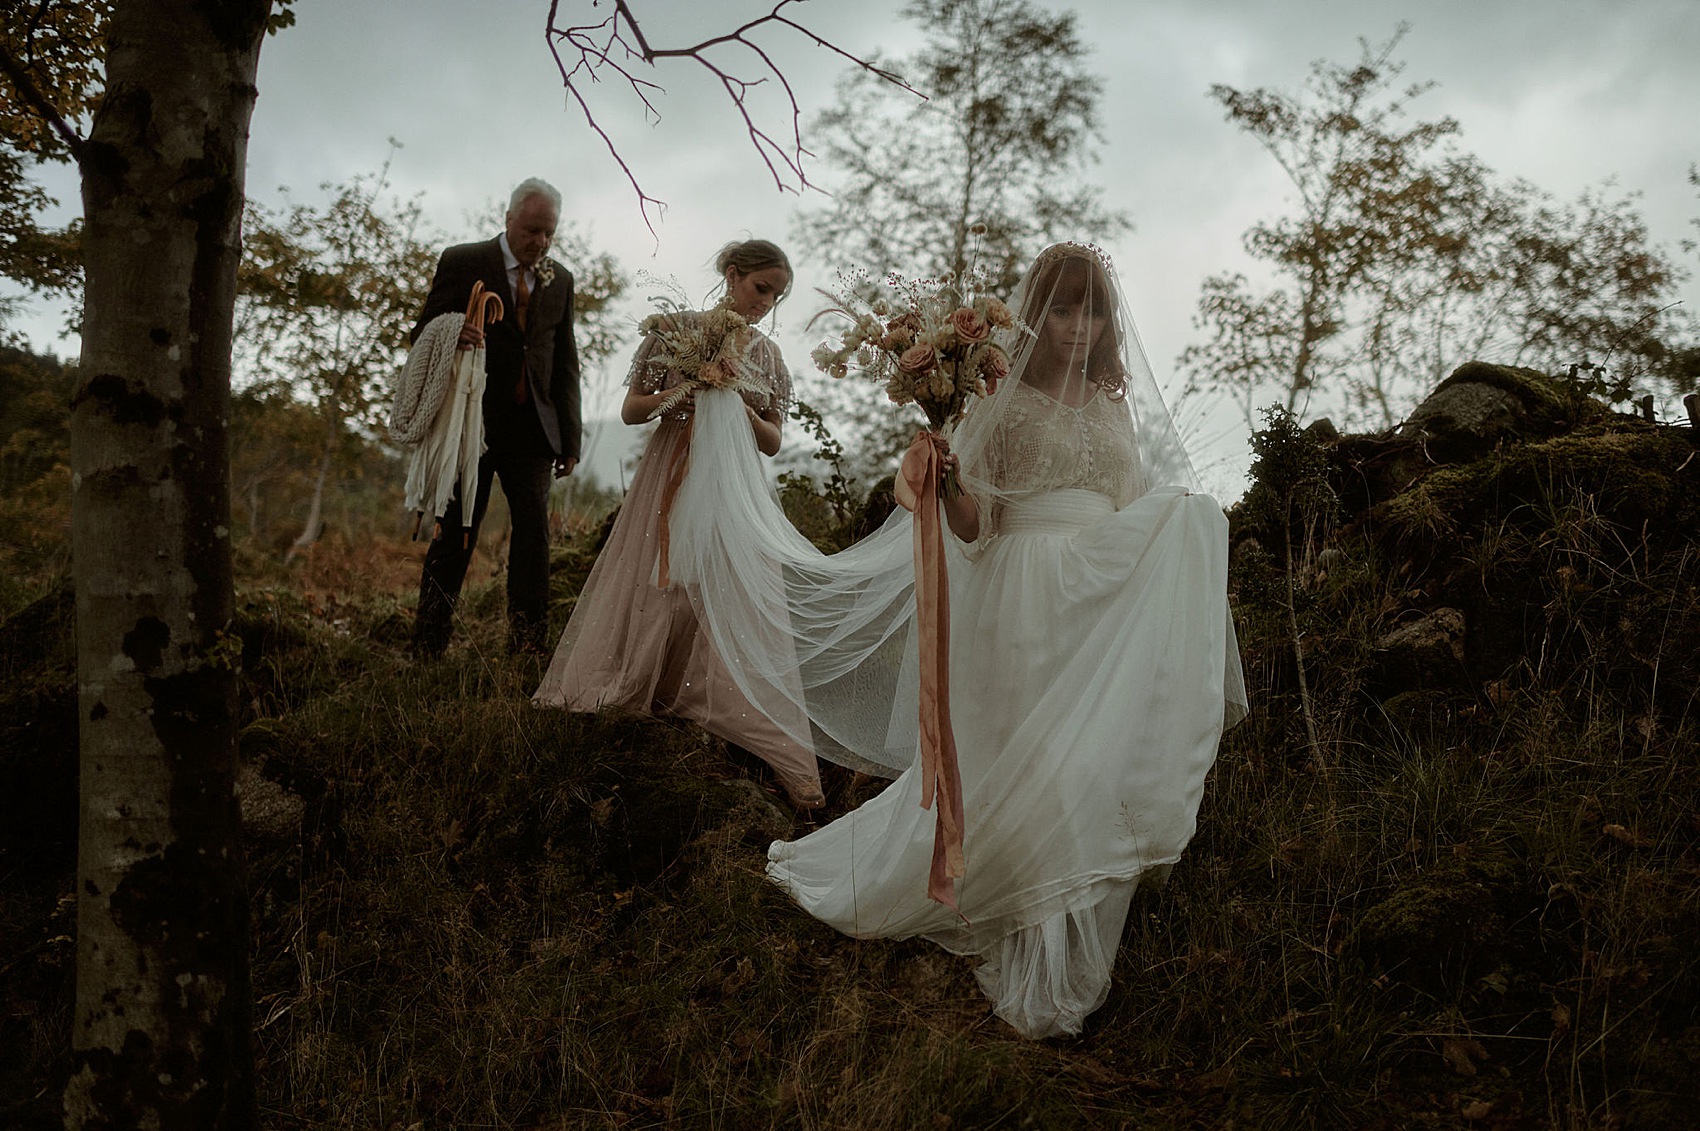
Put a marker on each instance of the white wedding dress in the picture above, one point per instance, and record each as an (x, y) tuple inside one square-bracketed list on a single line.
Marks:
[(1092, 661), (1089, 646)]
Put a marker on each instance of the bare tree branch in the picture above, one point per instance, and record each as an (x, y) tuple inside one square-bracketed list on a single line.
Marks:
[(585, 53)]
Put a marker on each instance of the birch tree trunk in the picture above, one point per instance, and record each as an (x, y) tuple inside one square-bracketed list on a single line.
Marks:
[(161, 1035)]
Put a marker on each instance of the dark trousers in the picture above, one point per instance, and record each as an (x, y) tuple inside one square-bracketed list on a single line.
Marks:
[(525, 482)]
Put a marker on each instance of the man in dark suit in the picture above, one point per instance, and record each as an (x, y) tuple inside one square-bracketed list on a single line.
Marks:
[(531, 413)]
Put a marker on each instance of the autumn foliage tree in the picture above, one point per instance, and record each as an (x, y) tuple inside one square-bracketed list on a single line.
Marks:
[(328, 295), (52, 55), (1403, 257), (982, 174), (35, 474), (329, 292)]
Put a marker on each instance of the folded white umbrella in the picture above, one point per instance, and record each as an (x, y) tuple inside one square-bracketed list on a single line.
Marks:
[(439, 411)]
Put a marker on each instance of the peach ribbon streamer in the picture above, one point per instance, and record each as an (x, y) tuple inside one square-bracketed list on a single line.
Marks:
[(941, 778), (675, 477)]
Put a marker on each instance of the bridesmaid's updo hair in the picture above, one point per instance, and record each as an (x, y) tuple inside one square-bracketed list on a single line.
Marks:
[(753, 255)]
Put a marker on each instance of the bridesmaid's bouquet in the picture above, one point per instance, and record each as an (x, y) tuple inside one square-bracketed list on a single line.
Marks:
[(710, 347), (928, 341)]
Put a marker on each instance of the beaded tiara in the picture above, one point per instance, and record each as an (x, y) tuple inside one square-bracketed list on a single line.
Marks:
[(1071, 249)]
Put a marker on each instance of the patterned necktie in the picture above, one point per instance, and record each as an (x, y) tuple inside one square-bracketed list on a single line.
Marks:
[(522, 299)]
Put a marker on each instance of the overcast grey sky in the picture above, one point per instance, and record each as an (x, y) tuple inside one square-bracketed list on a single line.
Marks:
[(1564, 93)]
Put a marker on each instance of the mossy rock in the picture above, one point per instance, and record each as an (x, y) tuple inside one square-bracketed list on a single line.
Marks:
[(1426, 652), (1423, 711), (1478, 410), (1548, 404), (1628, 473), (1441, 926)]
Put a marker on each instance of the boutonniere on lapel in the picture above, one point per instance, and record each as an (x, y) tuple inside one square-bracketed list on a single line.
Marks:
[(545, 272)]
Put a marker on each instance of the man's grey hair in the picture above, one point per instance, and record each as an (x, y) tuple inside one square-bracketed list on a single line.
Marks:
[(534, 186)]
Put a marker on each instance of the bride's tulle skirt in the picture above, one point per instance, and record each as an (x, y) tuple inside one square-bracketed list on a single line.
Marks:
[(1092, 671), (1089, 652)]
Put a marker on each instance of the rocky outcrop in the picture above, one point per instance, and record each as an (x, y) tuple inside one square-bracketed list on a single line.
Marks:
[(1481, 406), (1479, 409), (1425, 653)]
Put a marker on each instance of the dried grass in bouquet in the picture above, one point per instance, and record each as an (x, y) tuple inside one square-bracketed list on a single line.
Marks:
[(711, 347)]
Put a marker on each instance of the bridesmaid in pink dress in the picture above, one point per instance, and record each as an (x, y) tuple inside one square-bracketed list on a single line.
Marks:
[(631, 643)]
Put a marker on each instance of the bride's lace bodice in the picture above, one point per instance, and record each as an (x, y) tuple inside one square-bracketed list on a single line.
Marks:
[(1043, 445)]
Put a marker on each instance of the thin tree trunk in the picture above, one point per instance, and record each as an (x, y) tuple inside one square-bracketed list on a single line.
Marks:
[(254, 508), (161, 1032), (1308, 336), (1317, 760), (314, 525)]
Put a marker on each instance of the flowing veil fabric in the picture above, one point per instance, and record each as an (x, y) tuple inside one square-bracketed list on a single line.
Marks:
[(636, 642), (821, 644), (1093, 664)]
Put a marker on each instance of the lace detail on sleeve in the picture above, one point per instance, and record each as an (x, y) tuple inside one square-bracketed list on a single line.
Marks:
[(646, 375), (765, 355)]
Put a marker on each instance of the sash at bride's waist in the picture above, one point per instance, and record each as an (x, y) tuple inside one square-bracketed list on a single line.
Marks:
[(1055, 512)]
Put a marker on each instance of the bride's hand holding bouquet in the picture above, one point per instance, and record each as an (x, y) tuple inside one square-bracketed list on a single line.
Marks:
[(929, 342)]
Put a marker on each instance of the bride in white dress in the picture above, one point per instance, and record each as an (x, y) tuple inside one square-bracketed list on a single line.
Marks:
[(1092, 671)]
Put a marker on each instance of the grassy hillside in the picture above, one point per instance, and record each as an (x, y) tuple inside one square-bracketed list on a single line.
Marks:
[(1449, 881)]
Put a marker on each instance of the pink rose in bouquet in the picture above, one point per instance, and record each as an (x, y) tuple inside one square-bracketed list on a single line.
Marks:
[(917, 359), (719, 373), (970, 327), (927, 341), (900, 333), (999, 314)]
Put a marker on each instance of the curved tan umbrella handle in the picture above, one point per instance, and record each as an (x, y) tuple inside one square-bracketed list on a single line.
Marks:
[(484, 306)]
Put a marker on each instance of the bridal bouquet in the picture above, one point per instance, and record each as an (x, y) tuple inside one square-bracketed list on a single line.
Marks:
[(710, 347), (926, 340)]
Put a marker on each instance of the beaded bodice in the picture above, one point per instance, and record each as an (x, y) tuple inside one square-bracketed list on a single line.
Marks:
[(1045, 445)]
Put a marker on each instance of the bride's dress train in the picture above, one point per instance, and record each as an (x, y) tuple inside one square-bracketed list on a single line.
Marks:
[(1088, 654)]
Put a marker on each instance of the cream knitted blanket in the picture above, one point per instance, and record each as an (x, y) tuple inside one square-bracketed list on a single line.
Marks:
[(424, 380)]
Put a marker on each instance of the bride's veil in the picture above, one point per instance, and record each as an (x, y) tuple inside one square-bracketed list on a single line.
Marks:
[(819, 644), (1077, 341)]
